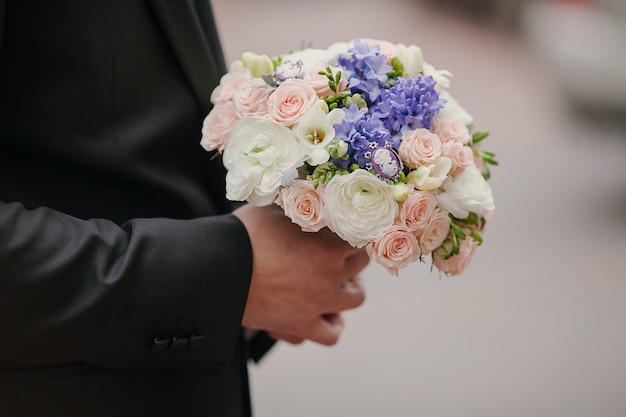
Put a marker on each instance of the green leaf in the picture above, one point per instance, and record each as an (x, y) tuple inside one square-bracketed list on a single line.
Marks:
[(458, 231), (486, 173), (472, 218), (478, 136), (455, 244), (475, 234)]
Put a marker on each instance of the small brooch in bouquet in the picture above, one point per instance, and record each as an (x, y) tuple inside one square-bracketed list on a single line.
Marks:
[(363, 138)]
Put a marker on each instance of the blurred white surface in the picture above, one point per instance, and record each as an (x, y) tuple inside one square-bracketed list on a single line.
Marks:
[(536, 326), (584, 44)]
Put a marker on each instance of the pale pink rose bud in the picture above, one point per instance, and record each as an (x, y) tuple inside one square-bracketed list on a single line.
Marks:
[(290, 101), (229, 84), (304, 205), (456, 264), (451, 130), (419, 147), (216, 126), (417, 209), (251, 98), (319, 82), (435, 232), (460, 155), (396, 248)]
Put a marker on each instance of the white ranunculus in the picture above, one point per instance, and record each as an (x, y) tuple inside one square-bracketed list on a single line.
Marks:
[(258, 154), (454, 110), (315, 131), (359, 207), (411, 58), (466, 192)]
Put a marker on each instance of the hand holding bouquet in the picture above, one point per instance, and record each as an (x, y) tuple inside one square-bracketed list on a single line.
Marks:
[(363, 138)]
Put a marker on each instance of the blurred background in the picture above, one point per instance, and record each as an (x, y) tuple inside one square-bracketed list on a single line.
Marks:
[(537, 324)]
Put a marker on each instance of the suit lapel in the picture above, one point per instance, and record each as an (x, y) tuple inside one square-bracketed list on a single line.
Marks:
[(193, 45)]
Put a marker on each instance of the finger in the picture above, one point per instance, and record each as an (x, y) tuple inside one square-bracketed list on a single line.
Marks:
[(294, 340), (337, 244), (350, 295), (355, 263), (326, 329)]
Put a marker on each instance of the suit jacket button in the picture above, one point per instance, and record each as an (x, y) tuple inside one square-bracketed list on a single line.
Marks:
[(196, 341), (177, 344), (159, 345)]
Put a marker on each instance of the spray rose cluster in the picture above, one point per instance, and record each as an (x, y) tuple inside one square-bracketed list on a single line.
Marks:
[(363, 138)]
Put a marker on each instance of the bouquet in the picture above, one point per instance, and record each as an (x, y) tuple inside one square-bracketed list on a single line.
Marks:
[(363, 138)]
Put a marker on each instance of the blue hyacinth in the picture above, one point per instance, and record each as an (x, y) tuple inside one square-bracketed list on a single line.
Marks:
[(366, 69), (362, 133), (411, 103)]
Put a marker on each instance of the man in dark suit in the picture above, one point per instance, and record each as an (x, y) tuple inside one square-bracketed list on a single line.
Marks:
[(125, 280)]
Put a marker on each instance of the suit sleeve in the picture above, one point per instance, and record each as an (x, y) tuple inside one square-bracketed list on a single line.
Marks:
[(91, 291)]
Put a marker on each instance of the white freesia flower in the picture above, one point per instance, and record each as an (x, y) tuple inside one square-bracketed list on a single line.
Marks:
[(454, 110), (315, 131), (257, 64), (258, 154), (359, 207), (466, 192), (429, 178), (411, 59)]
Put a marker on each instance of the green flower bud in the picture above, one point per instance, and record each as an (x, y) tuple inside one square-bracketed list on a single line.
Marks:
[(337, 148), (356, 99), (400, 191), (257, 64), (321, 104)]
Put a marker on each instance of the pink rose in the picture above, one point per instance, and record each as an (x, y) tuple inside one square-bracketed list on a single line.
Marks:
[(319, 82), (395, 248), (217, 125), (417, 209), (456, 263), (251, 98), (290, 101), (419, 147), (460, 155), (435, 232), (229, 84), (451, 130), (304, 205)]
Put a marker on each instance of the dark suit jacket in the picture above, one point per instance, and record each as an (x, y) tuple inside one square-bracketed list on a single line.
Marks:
[(122, 276)]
